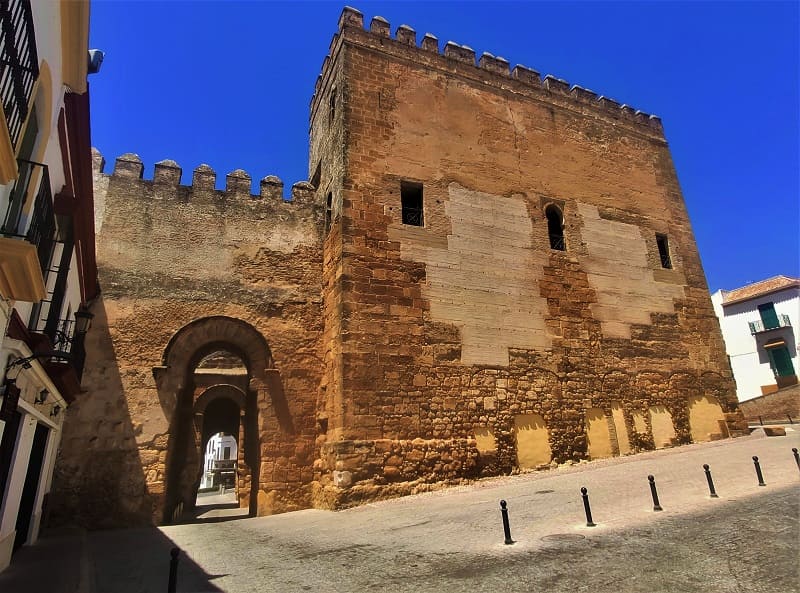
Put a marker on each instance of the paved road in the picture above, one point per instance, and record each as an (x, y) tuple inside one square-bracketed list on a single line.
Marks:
[(744, 541)]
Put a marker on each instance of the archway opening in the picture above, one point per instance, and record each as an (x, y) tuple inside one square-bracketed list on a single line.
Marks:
[(220, 439), (213, 446)]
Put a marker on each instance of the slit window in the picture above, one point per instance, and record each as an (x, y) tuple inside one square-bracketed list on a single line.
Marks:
[(317, 176), (555, 228), (663, 251), (411, 200), (328, 212), (332, 104)]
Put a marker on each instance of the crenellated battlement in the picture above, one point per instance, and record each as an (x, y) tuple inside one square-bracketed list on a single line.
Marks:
[(352, 20), (238, 183)]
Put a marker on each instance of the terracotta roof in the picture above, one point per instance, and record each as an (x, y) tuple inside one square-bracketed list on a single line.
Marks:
[(758, 289)]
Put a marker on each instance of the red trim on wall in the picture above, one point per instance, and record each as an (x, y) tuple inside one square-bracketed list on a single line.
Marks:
[(69, 187), (17, 329), (78, 134)]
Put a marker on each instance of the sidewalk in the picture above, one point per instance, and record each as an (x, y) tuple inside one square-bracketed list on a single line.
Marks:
[(452, 540), (57, 563)]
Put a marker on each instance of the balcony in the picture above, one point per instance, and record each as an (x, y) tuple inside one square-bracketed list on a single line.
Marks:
[(66, 373), (25, 257), (757, 327), (19, 64), (62, 355)]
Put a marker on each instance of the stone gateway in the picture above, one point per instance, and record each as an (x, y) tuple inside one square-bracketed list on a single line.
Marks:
[(488, 271)]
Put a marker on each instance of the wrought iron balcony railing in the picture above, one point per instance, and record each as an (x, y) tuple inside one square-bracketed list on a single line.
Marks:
[(68, 342), (19, 63), (42, 229), (756, 327)]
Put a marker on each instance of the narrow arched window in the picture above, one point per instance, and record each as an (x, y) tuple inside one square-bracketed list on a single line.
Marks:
[(555, 227)]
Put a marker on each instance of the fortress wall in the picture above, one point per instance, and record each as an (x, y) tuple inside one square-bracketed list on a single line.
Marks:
[(387, 358), (169, 255), (457, 327)]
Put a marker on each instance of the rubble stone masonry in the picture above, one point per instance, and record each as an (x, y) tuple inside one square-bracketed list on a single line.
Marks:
[(379, 358), (467, 346)]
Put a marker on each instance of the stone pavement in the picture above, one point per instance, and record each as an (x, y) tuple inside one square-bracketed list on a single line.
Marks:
[(452, 540)]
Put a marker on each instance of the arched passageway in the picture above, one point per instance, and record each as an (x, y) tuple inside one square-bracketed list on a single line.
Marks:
[(219, 425), (209, 383)]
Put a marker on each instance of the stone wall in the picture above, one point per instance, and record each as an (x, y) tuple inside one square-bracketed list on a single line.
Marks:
[(778, 406), (371, 358), (464, 328), (185, 271)]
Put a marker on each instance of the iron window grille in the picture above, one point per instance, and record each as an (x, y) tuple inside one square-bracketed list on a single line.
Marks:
[(19, 63), (555, 228), (411, 203), (663, 251), (557, 242), (412, 216), (42, 230)]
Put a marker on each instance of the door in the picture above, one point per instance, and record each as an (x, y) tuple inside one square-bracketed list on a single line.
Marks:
[(31, 486), (781, 362), (7, 446)]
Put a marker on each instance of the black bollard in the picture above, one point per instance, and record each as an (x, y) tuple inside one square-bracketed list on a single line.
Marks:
[(790, 419), (760, 421), (758, 471), (173, 570), (656, 506), (587, 508), (711, 492), (796, 457), (506, 526)]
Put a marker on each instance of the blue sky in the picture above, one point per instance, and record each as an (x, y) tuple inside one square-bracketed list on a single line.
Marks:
[(229, 83)]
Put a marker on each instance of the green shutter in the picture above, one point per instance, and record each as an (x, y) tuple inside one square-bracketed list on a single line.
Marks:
[(781, 362), (768, 316)]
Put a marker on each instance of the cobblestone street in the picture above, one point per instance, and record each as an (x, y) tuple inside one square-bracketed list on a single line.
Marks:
[(452, 540)]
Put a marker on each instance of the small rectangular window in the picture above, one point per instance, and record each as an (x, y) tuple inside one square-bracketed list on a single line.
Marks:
[(332, 104), (411, 200), (226, 454), (663, 251)]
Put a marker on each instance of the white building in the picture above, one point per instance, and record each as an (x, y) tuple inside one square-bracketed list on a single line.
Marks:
[(759, 323), (220, 461), (48, 274)]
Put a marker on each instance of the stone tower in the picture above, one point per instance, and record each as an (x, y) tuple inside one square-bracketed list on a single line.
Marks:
[(510, 275), (486, 271)]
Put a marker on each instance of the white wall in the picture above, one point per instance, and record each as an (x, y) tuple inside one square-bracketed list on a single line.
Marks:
[(749, 359), (47, 28)]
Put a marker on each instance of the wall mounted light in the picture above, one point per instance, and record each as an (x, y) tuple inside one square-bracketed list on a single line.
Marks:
[(55, 411), (42, 397), (83, 321)]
